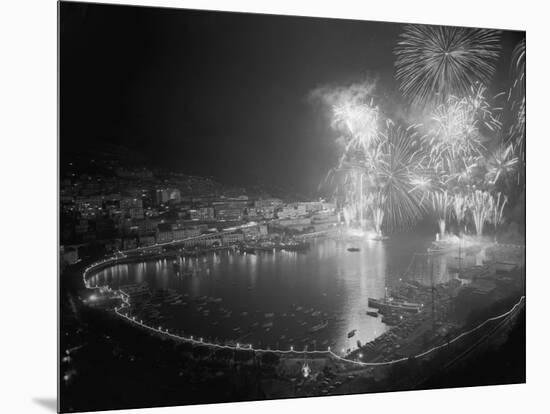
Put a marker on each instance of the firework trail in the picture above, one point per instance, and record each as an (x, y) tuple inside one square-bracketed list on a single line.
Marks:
[(434, 62), (518, 65), (441, 202), (516, 101), (459, 205), (377, 203), (352, 187), (498, 208), (480, 204)]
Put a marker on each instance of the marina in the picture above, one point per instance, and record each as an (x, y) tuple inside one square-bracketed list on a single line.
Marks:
[(304, 298)]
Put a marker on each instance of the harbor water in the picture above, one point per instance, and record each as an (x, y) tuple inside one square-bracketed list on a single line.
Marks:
[(314, 299)]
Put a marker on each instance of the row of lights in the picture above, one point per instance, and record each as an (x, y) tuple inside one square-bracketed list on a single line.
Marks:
[(159, 329)]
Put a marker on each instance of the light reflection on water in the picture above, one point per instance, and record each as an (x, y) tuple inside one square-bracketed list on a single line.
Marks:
[(327, 278)]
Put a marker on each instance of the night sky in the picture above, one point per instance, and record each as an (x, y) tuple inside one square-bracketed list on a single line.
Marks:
[(219, 94)]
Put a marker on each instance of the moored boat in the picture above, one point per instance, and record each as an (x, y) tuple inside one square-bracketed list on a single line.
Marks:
[(393, 304), (318, 327)]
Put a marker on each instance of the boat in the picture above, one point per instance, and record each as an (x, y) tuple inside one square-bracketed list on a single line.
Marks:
[(354, 249), (392, 304), (373, 314), (318, 327), (351, 333), (295, 246), (248, 249)]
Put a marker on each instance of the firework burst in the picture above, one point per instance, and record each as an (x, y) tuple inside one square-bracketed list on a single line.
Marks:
[(396, 168), (359, 121), (501, 164), (434, 62), (455, 133)]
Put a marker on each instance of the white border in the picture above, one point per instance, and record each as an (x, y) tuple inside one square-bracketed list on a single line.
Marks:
[(29, 203)]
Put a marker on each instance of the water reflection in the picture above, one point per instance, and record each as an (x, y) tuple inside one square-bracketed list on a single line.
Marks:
[(269, 298)]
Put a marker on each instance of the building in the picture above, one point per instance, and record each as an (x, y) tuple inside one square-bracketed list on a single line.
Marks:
[(253, 231), (231, 238), (324, 220), (268, 203), (202, 214), (230, 208), (132, 207), (161, 196), (147, 240), (89, 207), (299, 223), (292, 211)]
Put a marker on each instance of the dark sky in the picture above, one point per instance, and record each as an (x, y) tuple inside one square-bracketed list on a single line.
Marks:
[(213, 93)]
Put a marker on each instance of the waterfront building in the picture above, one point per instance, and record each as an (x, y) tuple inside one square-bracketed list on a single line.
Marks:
[(231, 238), (291, 211), (147, 240)]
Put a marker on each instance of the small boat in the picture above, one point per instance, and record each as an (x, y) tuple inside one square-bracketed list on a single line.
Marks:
[(319, 327), (392, 304), (354, 249), (351, 333), (373, 314)]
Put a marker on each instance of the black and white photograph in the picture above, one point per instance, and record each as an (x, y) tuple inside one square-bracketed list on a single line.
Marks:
[(256, 207)]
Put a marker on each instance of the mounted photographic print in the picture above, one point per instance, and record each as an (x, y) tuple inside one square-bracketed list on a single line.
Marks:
[(257, 207)]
